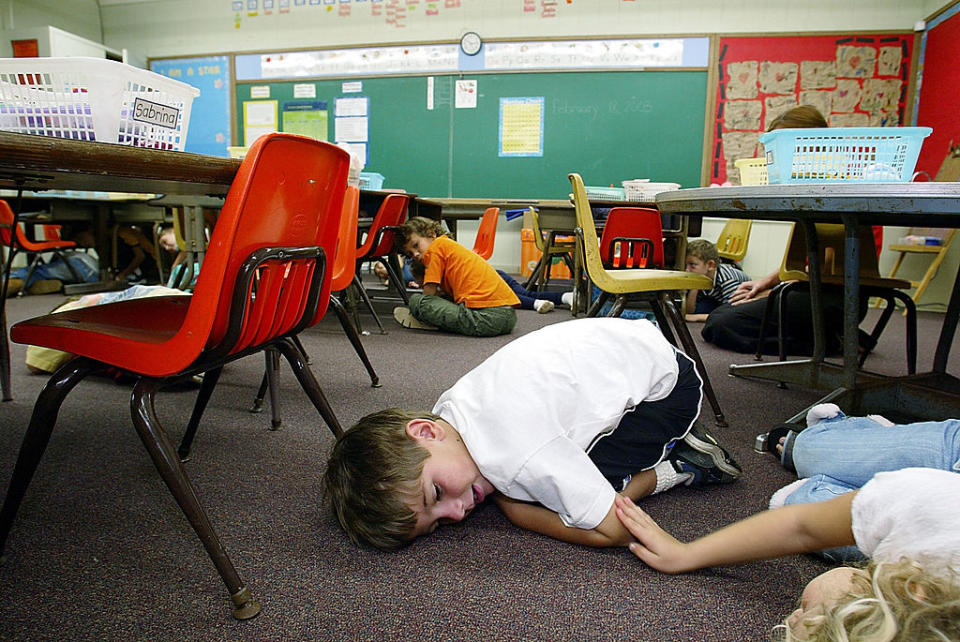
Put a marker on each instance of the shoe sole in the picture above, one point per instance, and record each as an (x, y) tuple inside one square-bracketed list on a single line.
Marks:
[(719, 457)]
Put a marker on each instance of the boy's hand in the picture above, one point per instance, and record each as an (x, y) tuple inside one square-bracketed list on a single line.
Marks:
[(654, 546)]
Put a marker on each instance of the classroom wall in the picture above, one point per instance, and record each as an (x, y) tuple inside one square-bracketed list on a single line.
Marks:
[(21, 19), (155, 28)]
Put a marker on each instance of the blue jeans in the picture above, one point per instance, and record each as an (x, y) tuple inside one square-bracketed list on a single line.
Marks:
[(83, 264), (841, 454)]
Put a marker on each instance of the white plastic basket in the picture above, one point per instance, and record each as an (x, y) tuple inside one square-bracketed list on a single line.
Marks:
[(843, 154), (642, 189), (94, 99), (753, 171)]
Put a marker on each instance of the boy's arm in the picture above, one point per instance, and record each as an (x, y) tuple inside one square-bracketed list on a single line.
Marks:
[(798, 528), (430, 289), (610, 532), (691, 303)]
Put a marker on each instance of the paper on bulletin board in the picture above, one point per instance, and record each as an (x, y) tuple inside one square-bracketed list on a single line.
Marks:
[(307, 118), (466, 94), (259, 118), (350, 130), (351, 106), (521, 126)]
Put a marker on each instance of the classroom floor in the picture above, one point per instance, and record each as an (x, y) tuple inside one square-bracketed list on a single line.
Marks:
[(101, 551)]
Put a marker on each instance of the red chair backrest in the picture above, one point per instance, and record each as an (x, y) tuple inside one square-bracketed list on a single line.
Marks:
[(633, 222), (344, 263), (392, 211), (51, 234), (288, 192), (487, 233)]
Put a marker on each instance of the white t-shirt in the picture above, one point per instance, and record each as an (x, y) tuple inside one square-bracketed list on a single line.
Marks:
[(530, 412), (913, 513)]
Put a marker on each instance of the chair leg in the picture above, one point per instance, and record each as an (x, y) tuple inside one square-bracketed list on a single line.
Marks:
[(273, 384), (664, 322), (690, 348), (887, 297), (309, 384), (210, 379), (297, 342), (37, 437), (168, 464), (354, 337), (395, 278), (910, 311), (595, 307), (257, 406), (368, 302), (619, 304)]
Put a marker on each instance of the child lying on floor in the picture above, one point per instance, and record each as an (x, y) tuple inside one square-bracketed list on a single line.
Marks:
[(553, 425), (889, 490)]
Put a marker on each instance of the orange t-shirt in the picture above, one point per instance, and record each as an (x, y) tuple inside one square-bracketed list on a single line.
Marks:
[(465, 275)]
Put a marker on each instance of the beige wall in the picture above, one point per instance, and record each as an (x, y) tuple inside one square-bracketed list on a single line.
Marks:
[(155, 28)]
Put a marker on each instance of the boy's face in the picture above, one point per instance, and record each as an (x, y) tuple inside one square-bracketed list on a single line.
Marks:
[(416, 245), (451, 485), (696, 264)]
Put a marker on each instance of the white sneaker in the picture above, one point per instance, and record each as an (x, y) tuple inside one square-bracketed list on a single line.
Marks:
[(567, 299), (405, 318), (880, 419), (779, 498), (822, 411), (542, 306)]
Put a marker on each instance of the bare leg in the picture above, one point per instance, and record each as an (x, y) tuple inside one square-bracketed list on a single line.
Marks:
[(640, 485)]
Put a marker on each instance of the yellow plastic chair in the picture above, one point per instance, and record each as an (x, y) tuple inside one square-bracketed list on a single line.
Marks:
[(733, 239), (938, 252), (551, 244), (661, 289)]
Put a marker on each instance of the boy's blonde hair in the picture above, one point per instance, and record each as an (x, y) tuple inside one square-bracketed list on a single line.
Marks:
[(703, 250), (373, 470), (419, 225), (889, 601)]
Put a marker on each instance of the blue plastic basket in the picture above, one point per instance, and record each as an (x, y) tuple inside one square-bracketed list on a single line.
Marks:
[(371, 180), (843, 154)]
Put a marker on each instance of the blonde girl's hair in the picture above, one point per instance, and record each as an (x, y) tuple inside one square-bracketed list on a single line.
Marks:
[(889, 601)]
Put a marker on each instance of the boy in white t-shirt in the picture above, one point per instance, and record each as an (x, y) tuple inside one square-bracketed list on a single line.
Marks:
[(554, 426)]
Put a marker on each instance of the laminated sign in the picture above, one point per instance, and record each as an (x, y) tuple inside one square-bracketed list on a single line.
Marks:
[(155, 113)]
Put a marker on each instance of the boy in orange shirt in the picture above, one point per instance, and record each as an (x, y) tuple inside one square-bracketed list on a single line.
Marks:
[(482, 302)]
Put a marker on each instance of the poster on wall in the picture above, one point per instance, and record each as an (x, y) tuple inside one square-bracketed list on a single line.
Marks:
[(855, 81), (209, 128)]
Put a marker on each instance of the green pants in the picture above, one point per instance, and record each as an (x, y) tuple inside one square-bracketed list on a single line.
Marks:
[(474, 322)]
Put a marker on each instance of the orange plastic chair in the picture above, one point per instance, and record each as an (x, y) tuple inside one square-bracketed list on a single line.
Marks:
[(344, 263), (52, 243), (378, 246), (487, 233), (632, 238), (265, 278)]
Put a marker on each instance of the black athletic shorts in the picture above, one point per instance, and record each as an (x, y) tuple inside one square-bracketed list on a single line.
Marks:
[(645, 434)]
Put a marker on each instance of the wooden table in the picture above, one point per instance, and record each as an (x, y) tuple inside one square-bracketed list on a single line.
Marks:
[(934, 395)]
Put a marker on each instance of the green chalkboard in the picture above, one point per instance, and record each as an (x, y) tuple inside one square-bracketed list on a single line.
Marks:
[(608, 126)]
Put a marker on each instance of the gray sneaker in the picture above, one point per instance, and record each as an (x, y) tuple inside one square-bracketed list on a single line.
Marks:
[(703, 442), (700, 466)]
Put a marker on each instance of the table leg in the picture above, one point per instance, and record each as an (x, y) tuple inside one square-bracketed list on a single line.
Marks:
[(851, 300), (5, 382)]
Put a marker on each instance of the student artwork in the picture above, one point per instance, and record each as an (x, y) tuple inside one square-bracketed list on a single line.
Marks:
[(855, 81)]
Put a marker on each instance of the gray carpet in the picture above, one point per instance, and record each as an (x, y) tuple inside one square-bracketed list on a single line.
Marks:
[(100, 551)]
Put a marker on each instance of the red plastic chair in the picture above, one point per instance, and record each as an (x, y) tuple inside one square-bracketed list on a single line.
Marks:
[(344, 264), (264, 279), (52, 243), (487, 233), (378, 246), (632, 238)]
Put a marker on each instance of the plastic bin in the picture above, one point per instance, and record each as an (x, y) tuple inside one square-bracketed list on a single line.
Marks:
[(94, 99), (753, 171), (371, 180), (644, 190), (843, 154), (606, 193)]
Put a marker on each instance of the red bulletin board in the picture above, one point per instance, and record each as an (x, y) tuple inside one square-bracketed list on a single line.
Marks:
[(858, 80), (938, 89)]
